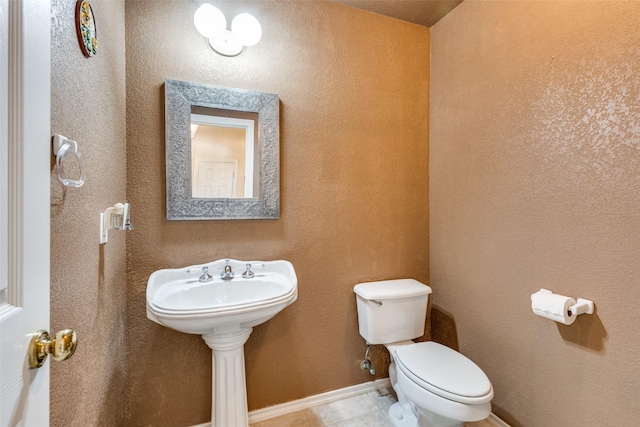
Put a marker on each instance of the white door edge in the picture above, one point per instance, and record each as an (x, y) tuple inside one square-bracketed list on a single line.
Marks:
[(25, 398)]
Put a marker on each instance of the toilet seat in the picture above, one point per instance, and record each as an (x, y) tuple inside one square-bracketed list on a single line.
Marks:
[(444, 372)]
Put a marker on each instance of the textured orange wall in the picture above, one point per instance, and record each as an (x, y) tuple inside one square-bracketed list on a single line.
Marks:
[(535, 182), (354, 105), (88, 280)]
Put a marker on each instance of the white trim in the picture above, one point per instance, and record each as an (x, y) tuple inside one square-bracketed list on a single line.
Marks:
[(15, 153), (328, 397), (318, 399), (496, 422), (4, 151)]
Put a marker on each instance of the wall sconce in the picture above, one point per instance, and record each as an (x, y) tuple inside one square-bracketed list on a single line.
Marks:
[(211, 23)]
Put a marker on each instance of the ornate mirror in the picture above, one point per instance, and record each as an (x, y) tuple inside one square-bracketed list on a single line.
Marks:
[(222, 152)]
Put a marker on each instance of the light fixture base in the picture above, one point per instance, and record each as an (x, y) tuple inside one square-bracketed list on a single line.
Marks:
[(226, 44)]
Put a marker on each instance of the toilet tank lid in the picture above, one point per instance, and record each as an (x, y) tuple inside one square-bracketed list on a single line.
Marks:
[(391, 289)]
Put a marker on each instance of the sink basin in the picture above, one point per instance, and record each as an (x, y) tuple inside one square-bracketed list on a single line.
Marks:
[(177, 299), (224, 312)]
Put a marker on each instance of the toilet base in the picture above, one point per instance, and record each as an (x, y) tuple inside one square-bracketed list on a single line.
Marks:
[(405, 413), (400, 418), (406, 418)]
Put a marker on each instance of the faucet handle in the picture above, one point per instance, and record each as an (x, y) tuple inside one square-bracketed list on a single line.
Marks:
[(206, 277), (248, 274)]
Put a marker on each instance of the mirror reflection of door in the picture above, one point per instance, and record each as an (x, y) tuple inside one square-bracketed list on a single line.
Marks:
[(215, 179), (222, 157)]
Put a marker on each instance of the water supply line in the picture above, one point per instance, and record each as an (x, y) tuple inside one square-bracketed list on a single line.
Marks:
[(366, 363)]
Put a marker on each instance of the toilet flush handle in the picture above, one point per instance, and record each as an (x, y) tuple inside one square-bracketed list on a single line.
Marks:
[(376, 302)]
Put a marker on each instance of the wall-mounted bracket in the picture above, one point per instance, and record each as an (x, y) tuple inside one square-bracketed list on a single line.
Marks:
[(67, 152), (116, 218)]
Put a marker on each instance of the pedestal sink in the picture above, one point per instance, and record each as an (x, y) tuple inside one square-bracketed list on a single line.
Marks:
[(198, 300)]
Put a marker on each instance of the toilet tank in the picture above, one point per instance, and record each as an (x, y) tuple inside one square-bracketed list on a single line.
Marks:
[(391, 310)]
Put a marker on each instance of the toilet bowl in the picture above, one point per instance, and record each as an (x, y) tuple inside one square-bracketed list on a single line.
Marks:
[(444, 387), (436, 386)]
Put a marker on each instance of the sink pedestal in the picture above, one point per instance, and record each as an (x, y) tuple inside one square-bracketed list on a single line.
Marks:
[(223, 311), (229, 394)]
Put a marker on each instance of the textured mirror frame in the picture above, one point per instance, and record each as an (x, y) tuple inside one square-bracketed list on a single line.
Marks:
[(179, 98)]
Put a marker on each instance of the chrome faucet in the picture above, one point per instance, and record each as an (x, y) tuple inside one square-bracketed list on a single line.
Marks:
[(206, 277), (227, 273)]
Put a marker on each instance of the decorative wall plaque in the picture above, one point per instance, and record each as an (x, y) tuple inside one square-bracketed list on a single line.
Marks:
[(86, 28)]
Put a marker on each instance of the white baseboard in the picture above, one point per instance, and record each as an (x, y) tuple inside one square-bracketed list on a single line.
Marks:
[(496, 422), (318, 399), (330, 396)]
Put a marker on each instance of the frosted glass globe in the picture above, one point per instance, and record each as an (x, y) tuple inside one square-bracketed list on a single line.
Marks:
[(247, 29), (209, 21)]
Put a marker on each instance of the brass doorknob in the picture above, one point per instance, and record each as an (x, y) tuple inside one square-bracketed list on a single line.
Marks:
[(61, 347)]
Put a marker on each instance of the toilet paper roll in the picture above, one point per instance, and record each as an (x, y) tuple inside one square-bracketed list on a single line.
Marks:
[(545, 303)]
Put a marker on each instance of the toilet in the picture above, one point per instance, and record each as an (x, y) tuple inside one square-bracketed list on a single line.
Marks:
[(436, 386)]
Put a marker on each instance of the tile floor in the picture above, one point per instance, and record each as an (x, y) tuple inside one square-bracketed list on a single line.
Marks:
[(364, 410)]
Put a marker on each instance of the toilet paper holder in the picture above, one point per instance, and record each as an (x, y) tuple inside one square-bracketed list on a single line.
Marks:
[(582, 306), (559, 308)]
